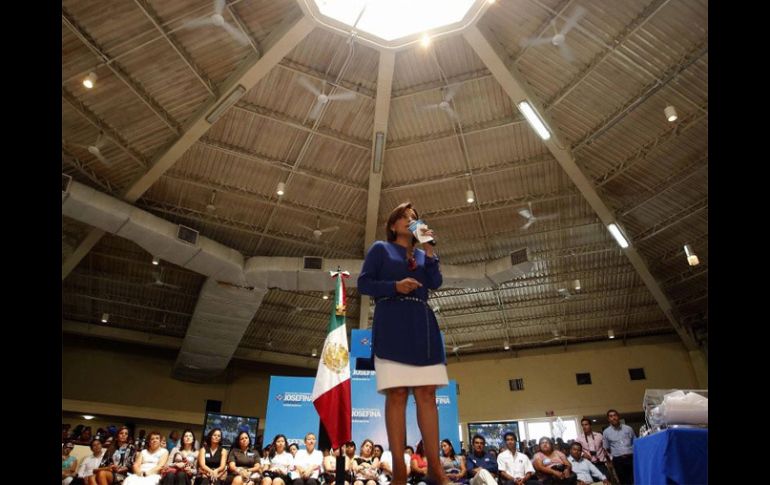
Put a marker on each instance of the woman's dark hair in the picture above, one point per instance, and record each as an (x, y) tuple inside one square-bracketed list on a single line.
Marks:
[(294, 445), (114, 445), (408, 448), (237, 443), (397, 214), (379, 447), (207, 441), (180, 445), (420, 450), (451, 455), (275, 440)]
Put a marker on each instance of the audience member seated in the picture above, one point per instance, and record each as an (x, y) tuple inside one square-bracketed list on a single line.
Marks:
[(386, 466), (281, 462), (552, 465), (330, 467), (212, 459), (293, 448), (89, 464), (243, 463), (365, 465), (181, 467), (584, 470), (148, 463), (454, 465), (418, 465), (85, 437), (515, 467), (482, 466), (593, 446), (118, 460), (173, 441), (307, 463), (69, 463)]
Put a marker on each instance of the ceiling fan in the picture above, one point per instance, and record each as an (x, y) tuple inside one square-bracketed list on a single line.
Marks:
[(559, 37), (318, 232), (158, 275), (218, 20), (558, 337), (96, 148), (531, 218), (323, 98), (446, 102), (454, 348)]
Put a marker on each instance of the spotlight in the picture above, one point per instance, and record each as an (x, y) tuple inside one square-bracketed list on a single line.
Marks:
[(90, 80), (105, 317), (281, 189), (670, 113)]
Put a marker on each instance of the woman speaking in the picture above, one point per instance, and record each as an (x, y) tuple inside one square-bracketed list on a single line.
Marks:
[(407, 344)]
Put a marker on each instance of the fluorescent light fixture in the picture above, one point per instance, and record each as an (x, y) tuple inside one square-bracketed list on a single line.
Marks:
[(534, 120), (314, 353), (230, 100), (618, 235), (469, 197), (88, 417), (395, 19), (90, 80), (281, 189), (425, 40), (507, 345), (576, 285), (105, 317), (326, 296), (670, 113), (692, 258), (379, 144), (155, 261), (611, 333)]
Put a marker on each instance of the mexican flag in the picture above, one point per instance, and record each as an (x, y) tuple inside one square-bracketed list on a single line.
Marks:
[(331, 390)]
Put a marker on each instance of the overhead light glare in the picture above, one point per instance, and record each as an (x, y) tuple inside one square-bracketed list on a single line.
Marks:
[(281, 189), (90, 80), (469, 197), (692, 258), (105, 317), (534, 120), (670, 113), (618, 235)]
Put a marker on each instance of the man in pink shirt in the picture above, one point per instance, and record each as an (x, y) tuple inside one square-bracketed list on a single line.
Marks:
[(593, 449)]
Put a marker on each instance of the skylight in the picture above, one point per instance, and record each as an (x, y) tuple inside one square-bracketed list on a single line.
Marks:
[(394, 19)]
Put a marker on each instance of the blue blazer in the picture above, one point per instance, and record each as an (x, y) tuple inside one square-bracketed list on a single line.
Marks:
[(403, 331)]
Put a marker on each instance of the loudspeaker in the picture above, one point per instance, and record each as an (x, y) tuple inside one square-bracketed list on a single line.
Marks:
[(213, 406)]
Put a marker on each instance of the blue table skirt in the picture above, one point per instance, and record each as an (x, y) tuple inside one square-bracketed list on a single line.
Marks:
[(674, 456)]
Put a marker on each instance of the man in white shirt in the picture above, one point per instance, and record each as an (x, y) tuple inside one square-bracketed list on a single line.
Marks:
[(386, 466), (90, 462), (582, 467), (307, 463), (515, 468)]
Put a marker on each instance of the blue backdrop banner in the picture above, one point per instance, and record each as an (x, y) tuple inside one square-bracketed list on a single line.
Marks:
[(290, 410), (369, 405)]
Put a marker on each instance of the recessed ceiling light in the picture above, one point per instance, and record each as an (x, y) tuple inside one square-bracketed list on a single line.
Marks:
[(90, 80)]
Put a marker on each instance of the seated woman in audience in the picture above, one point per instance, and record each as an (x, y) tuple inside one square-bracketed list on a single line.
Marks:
[(454, 465), (330, 466), (85, 437), (148, 463), (293, 448), (243, 463), (69, 463), (212, 459), (552, 466), (281, 462), (118, 460), (418, 465), (365, 465), (182, 466)]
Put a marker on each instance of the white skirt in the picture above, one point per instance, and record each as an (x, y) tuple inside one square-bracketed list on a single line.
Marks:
[(397, 374)]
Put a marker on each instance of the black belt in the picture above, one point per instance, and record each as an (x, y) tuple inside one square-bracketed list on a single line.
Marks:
[(402, 298)]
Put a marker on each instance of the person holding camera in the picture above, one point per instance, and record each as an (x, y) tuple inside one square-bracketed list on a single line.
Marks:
[(593, 446)]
